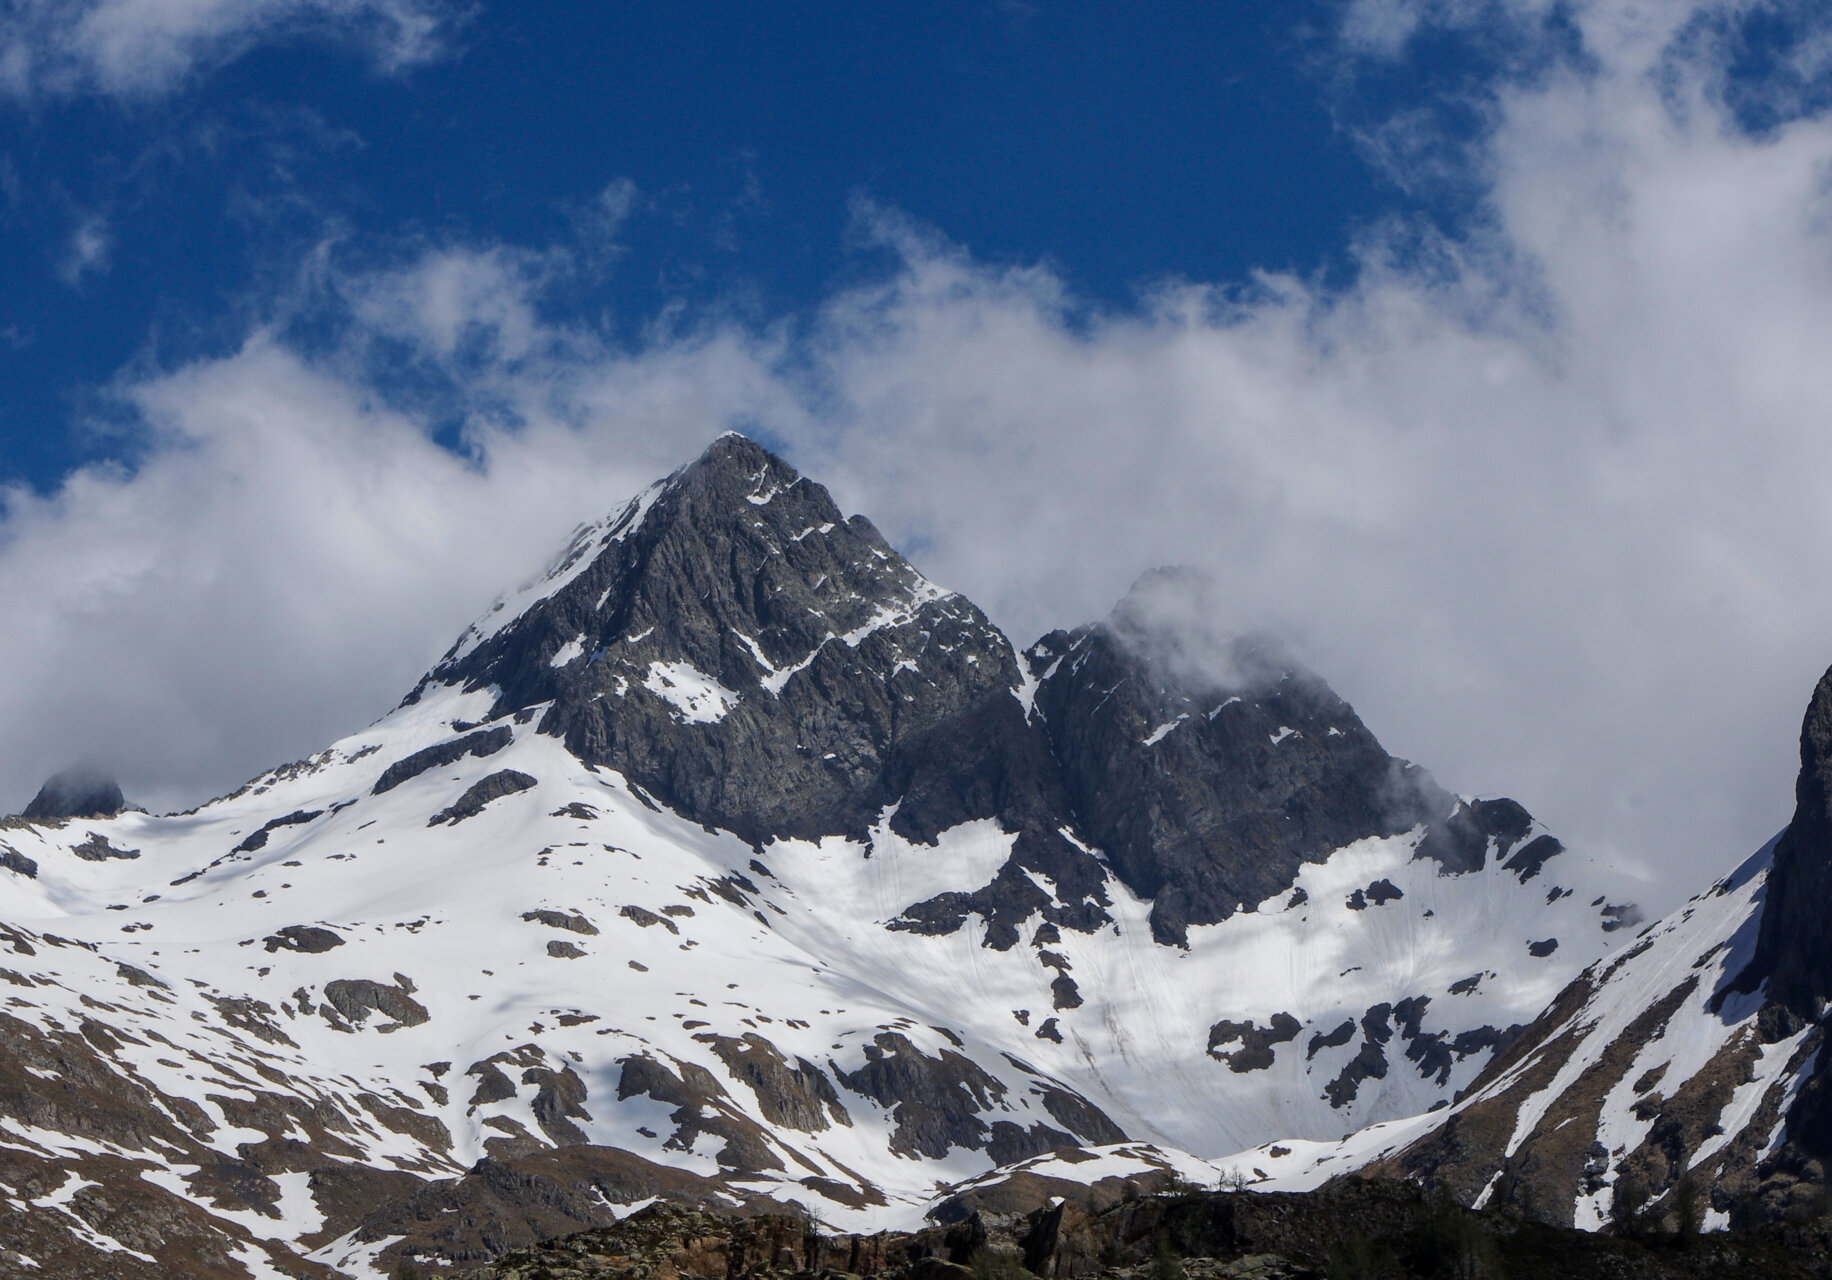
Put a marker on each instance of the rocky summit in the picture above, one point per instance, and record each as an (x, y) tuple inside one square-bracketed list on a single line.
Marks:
[(731, 863), (81, 791)]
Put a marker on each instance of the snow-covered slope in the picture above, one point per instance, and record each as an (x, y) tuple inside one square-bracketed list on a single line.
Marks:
[(1695, 1056), (731, 859)]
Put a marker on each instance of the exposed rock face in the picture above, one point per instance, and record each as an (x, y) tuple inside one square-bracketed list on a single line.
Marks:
[(79, 792), (1209, 769), (937, 1102), (504, 782), (1794, 949), (356, 998), (308, 938), (754, 659), (484, 743), (758, 661)]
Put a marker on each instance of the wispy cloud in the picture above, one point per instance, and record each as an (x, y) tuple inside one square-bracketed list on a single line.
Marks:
[(87, 251), (143, 48)]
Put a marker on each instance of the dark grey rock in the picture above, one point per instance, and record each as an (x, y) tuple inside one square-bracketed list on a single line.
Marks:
[(81, 791), (486, 742), (570, 920), (258, 839), (1793, 947), (1010, 1142), (795, 1095), (1431, 1052), (936, 1102), (834, 683), (15, 861), (504, 782), (1331, 1039), (1256, 1042), (744, 654), (559, 1100), (1081, 1117), (1485, 1039), (1369, 1063), (1533, 855), (493, 1085), (356, 998), (308, 938), (646, 918), (97, 849), (1210, 769), (138, 977), (701, 1106)]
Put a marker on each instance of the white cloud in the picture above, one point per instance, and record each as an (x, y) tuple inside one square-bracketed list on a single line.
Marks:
[(1548, 503), (139, 48)]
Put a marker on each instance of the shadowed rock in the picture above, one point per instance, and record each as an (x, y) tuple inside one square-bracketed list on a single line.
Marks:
[(1211, 768), (1794, 948), (78, 792)]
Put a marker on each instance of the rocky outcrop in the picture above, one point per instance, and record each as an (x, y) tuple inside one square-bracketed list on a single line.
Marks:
[(753, 658), (1210, 768), (357, 998), (309, 938), (1794, 949), (98, 849), (798, 1096), (485, 742), (504, 782), (1352, 1229), (747, 655), (79, 792)]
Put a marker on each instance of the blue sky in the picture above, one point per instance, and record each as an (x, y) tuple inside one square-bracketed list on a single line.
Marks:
[(1477, 346), (1201, 141)]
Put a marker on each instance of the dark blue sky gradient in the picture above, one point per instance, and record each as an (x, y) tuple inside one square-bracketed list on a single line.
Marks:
[(1118, 144)]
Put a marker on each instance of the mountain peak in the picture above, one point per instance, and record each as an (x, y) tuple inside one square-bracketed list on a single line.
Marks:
[(755, 659), (1210, 766), (736, 457), (81, 791)]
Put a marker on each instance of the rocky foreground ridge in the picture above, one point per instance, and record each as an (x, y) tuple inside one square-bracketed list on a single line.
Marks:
[(732, 862), (1353, 1229)]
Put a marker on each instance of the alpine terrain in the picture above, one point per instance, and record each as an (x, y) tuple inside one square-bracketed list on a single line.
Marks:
[(1684, 1076), (732, 863)]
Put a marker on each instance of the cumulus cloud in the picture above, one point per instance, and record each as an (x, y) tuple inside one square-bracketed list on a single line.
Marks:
[(1547, 500), (141, 48), (284, 563)]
